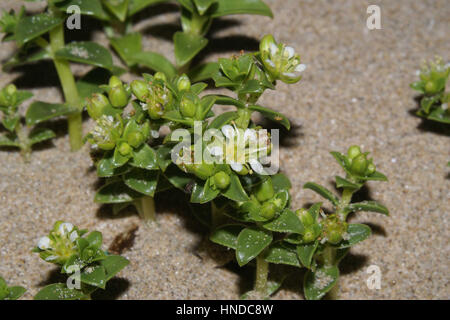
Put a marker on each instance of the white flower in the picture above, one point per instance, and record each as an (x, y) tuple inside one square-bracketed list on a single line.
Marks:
[(73, 236), (444, 106), (65, 227), (44, 243)]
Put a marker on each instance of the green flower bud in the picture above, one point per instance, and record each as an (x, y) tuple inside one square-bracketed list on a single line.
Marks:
[(265, 191), (155, 111), (305, 217), (140, 89), (184, 84), (160, 76), (359, 165), (266, 42), (125, 149), (334, 229), (268, 210), (204, 170), (118, 97), (96, 105), (353, 152), (114, 81), (8, 96), (135, 139), (106, 133), (221, 180), (370, 169), (309, 235), (430, 87), (188, 107)]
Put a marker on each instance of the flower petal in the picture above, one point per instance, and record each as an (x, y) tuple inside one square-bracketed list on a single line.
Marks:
[(236, 166), (44, 243)]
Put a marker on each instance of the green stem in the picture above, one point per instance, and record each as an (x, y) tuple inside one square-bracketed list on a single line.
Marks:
[(146, 209), (69, 88), (329, 255), (262, 274), (25, 149), (216, 216)]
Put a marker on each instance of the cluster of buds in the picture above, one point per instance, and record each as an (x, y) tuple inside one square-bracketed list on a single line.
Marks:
[(270, 204), (280, 60), (434, 76), (313, 228), (153, 94), (358, 164), (8, 97), (60, 244), (118, 93)]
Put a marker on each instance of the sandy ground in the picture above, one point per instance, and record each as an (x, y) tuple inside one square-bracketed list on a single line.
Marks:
[(355, 91)]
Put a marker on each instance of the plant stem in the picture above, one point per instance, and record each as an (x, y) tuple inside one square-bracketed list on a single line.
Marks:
[(216, 216), (262, 273), (329, 255), (69, 88), (146, 209), (25, 149)]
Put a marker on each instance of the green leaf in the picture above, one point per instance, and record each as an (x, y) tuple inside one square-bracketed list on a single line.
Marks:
[(223, 119), (306, 252), (137, 5), (113, 264), (197, 88), (10, 123), (187, 4), (156, 62), (376, 176), (324, 192), (115, 192), (41, 134), (58, 291), (117, 7), (227, 101), (16, 292), (203, 72), (187, 46), (145, 158), (344, 183), (107, 168), (372, 206), (314, 210), (356, 233), (286, 222), (235, 191), (227, 7), (227, 235), (280, 182), (23, 96), (163, 154), (282, 253), (87, 53), (203, 5), (418, 86), (94, 276), (127, 46), (440, 115), (319, 282), (206, 104), (176, 177), (29, 28), (87, 7), (9, 140), (251, 242), (20, 59), (203, 192), (272, 115), (41, 111), (141, 180)]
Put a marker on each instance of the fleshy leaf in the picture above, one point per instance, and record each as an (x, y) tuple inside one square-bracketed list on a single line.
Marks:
[(29, 28), (324, 192), (145, 158), (137, 5), (372, 206), (115, 192), (305, 253), (227, 235), (272, 115), (319, 282), (58, 291), (251, 242), (187, 46), (203, 192), (87, 7), (355, 233), (41, 134), (94, 276), (141, 180), (156, 62), (235, 191), (41, 111), (203, 72), (286, 222), (282, 253), (87, 53), (227, 7), (117, 7)]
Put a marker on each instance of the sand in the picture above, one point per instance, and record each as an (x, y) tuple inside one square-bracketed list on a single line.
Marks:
[(355, 91)]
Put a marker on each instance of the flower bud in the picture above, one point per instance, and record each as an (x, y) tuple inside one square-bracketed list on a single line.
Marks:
[(135, 139), (184, 84), (188, 107), (266, 42), (139, 89), (305, 217), (359, 165), (370, 169), (221, 180), (8, 96), (125, 149), (114, 81), (430, 87), (155, 111), (204, 170), (268, 210), (96, 105), (265, 190), (353, 152), (334, 230), (118, 97), (160, 76), (309, 235)]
